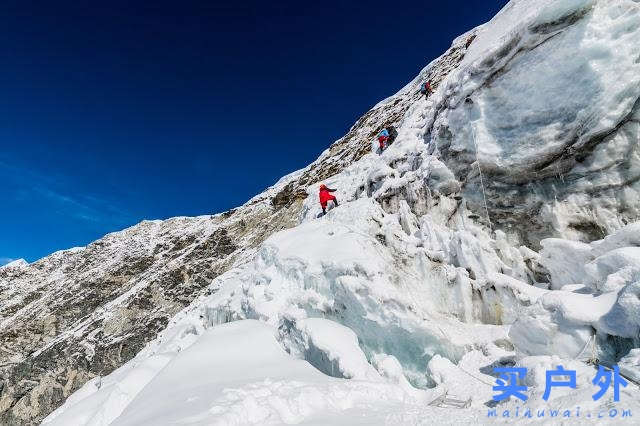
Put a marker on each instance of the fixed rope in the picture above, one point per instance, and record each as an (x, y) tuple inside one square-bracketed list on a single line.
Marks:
[(484, 195), (577, 357)]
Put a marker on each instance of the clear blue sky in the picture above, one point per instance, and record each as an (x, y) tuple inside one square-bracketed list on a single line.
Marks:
[(111, 112)]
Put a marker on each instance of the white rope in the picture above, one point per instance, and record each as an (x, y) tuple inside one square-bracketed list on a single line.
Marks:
[(477, 378), (593, 350), (484, 195), (577, 357)]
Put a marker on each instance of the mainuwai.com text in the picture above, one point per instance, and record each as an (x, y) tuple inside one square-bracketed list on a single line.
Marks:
[(543, 412)]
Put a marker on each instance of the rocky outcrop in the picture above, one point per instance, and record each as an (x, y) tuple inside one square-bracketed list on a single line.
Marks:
[(84, 312)]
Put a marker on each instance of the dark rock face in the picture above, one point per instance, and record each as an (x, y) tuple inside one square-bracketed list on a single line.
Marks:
[(83, 313), (288, 196)]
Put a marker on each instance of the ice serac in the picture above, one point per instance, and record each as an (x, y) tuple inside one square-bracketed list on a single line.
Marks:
[(497, 230), (547, 103)]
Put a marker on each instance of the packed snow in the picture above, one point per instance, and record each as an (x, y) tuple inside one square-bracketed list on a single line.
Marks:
[(14, 264), (395, 307)]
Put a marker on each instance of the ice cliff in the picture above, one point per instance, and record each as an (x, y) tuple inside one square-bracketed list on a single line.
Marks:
[(499, 229)]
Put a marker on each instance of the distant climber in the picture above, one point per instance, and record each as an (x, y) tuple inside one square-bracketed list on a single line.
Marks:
[(383, 137), (426, 89), (386, 137), (469, 41), (325, 197)]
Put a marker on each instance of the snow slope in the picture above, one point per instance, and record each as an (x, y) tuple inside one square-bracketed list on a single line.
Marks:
[(238, 381), (498, 230), (353, 308)]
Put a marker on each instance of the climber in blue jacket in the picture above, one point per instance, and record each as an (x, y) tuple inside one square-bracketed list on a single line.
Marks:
[(383, 136), (426, 89)]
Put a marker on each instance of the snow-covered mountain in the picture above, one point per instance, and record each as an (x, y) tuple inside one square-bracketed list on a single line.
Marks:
[(499, 229)]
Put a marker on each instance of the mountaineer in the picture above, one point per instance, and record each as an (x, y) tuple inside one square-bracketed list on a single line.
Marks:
[(325, 197), (386, 137), (383, 136), (426, 89)]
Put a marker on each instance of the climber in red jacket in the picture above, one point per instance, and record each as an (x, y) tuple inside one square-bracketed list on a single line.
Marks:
[(426, 89), (325, 197)]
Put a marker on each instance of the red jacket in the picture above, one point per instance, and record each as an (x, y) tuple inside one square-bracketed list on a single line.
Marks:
[(325, 196)]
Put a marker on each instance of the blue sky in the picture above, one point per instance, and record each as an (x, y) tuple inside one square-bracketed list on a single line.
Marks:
[(125, 111)]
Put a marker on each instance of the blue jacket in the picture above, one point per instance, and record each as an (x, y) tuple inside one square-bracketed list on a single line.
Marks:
[(384, 132)]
